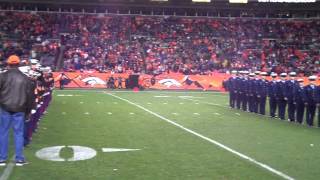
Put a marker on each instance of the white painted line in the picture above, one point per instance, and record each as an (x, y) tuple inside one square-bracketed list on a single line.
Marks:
[(86, 113), (8, 170), (265, 166), (131, 113), (196, 114), (175, 114), (205, 102), (109, 113), (107, 150), (161, 96)]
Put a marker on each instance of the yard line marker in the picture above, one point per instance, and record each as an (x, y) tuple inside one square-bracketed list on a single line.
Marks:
[(165, 103), (131, 113), (63, 113), (149, 103), (175, 114), (217, 114), (196, 114), (109, 113), (115, 103), (243, 156), (118, 150), (98, 102), (81, 102), (86, 113), (181, 103), (8, 170), (238, 114)]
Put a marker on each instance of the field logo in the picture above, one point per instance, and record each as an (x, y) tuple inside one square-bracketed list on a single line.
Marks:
[(53, 153), (79, 153), (170, 82), (93, 81)]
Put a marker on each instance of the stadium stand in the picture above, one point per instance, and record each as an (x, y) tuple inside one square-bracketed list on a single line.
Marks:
[(154, 45)]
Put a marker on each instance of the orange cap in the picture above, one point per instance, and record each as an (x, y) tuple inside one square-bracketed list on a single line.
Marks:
[(13, 59)]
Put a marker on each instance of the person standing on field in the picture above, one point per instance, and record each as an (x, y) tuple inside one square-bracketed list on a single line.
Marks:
[(16, 103)]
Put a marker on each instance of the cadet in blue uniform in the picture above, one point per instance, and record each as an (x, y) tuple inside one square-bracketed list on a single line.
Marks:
[(238, 90), (290, 86), (310, 100), (231, 88), (244, 87), (298, 100), (255, 84), (280, 93), (262, 91), (272, 88), (251, 89)]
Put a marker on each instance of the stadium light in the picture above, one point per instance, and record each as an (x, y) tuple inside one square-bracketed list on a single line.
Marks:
[(205, 1), (238, 1), (288, 1)]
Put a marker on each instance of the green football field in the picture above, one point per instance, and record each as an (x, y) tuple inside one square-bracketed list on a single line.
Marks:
[(170, 135)]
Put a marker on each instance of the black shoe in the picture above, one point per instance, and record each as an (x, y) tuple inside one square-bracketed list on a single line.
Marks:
[(21, 163), (3, 163)]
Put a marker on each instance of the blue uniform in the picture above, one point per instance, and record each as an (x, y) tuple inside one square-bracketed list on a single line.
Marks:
[(251, 92), (238, 92), (262, 92), (290, 85), (272, 88), (282, 103), (232, 91), (245, 95), (299, 95), (311, 98)]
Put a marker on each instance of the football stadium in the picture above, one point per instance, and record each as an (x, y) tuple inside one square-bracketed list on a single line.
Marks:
[(159, 89)]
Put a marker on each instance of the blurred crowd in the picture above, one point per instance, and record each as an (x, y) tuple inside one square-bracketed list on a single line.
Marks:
[(155, 45)]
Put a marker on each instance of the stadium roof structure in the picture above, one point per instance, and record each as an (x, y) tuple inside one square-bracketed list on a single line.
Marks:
[(215, 8)]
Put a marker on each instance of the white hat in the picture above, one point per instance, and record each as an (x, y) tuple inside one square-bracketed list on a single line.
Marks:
[(283, 74), (263, 73), (312, 78), (234, 72), (292, 74), (273, 74), (300, 80), (34, 61)]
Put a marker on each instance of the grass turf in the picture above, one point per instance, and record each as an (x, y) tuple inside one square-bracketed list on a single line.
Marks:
[(97, 120)]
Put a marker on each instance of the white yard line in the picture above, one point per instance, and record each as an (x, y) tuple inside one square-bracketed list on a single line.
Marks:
[(267, 167), (8, 170)]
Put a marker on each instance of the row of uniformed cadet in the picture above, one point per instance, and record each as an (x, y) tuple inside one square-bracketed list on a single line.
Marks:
[(249, 92)]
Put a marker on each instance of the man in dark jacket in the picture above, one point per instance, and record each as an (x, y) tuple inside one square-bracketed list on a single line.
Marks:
[(16, 102)]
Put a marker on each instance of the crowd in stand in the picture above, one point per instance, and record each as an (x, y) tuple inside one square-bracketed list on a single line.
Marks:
[(155, 45)]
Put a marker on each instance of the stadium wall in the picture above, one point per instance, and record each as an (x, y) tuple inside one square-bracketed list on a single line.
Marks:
[(171, 81)]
